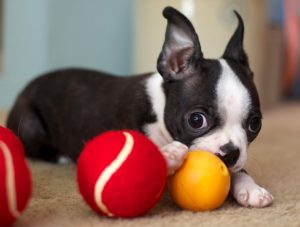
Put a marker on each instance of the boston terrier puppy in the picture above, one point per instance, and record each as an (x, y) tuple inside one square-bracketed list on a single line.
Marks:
[(190, 103)]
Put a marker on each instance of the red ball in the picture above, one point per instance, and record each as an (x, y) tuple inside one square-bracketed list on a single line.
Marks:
[(15, 178), (121, 174)]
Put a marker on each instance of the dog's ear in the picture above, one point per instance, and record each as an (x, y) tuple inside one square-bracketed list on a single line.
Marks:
[(235, 50), (181, 48)]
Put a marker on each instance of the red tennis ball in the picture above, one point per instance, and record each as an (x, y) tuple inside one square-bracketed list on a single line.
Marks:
[(121, 174), (15, 178)]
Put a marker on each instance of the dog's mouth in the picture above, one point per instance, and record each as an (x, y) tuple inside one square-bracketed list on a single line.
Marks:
[(230, 162)]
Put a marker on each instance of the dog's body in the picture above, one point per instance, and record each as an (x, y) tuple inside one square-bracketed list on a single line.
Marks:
[(191, 103)]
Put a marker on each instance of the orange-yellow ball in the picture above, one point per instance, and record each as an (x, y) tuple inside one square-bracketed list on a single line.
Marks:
[(202, 183)]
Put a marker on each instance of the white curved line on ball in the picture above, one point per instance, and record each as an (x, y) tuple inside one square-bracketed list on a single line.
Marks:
[(110, 170), (10, 180)]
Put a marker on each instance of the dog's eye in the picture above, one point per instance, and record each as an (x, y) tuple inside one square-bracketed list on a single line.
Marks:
[(197, 120), (254, 124)]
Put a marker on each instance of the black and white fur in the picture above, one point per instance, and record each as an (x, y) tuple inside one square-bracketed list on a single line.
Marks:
[(190, 103)]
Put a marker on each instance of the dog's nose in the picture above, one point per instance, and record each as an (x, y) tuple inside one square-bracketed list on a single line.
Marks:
[(232, 154)]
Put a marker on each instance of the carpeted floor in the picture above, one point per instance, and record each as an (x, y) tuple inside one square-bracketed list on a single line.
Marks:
[(274, 161)]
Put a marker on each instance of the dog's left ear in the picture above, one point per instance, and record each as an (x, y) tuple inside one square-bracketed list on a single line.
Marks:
[(181, 49), (235, 50)]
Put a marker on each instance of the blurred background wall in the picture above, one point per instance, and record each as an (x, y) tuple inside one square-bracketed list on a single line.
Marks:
[(42, 35), (125, 37)]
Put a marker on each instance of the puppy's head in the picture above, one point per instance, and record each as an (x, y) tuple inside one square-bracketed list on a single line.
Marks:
[(211, 104)]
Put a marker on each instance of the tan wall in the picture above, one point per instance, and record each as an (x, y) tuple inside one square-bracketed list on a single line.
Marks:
[(214, 22)]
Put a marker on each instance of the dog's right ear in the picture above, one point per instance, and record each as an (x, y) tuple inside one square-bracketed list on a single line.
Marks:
[(181, 49)]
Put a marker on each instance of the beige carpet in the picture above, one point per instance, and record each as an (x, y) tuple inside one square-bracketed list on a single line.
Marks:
[(274, 162)]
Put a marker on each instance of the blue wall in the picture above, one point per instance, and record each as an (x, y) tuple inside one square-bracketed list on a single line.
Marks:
[(25, 45), (42, 35), (92, 33)]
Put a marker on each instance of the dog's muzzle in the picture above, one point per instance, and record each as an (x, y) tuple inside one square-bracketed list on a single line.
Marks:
[(231, 154)]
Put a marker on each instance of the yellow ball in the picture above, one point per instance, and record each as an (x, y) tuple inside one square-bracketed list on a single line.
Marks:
[(202, 183)]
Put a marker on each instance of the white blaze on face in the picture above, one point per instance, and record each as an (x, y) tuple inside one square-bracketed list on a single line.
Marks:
[(233, 103), (233, 97)]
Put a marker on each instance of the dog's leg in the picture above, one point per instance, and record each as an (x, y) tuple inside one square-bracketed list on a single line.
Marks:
[(28, 126), (247, 192), (174, 154)]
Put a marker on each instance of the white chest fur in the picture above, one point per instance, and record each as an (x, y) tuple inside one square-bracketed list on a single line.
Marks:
[(157, 131)]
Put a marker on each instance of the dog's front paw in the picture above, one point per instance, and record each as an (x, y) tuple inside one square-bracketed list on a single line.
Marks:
[(252, 195), (174, 154)]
